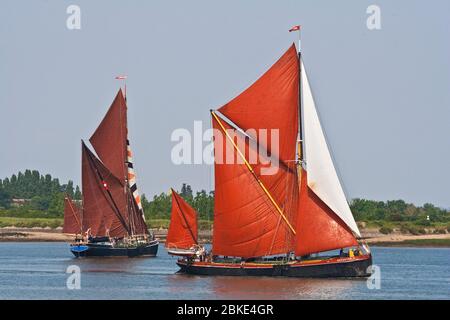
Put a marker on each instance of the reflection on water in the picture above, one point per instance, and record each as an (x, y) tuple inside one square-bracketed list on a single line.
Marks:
[(278, 288), (38, 271)]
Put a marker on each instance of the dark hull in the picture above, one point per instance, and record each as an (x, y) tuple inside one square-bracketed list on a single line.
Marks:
[(106, 250), (330, 268)]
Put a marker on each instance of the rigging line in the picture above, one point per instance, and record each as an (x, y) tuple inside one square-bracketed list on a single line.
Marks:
[(73, 212), (124, 166), (253, 172), (184, 218)]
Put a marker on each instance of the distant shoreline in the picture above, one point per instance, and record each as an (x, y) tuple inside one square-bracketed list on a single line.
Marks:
[(10, 234)]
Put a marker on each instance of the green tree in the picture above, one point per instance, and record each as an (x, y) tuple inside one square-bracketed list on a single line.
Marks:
[(56, 206), (69, 189), (77, 195), (5, 199)]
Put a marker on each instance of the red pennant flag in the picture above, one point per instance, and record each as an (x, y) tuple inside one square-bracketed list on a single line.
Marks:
[(294, 28), (121, 77)]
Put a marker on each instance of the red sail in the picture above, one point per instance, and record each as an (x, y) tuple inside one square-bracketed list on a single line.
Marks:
[(271, 103), (110, 138), (246, 222), (318, 227), (72, 217), (104, 199), (183, 232)]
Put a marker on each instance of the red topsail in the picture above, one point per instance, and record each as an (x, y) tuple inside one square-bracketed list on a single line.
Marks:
[(110, 138)]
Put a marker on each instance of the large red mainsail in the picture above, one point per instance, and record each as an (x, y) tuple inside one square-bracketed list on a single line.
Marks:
[(110, 138), (72, 217), (246, 222), (318, 227), (104, 199), (182, 232)]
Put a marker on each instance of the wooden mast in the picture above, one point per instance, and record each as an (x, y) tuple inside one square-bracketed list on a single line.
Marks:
[(300, 154), (250, 168)]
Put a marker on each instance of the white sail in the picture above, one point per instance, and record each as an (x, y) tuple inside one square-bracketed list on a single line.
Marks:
[(322, 176)]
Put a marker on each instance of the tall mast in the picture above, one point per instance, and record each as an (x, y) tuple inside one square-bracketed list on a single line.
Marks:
[(300, 130), (126, 187), (300, 157)]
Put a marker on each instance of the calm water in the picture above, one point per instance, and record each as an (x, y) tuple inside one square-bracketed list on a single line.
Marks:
[(37, 271)]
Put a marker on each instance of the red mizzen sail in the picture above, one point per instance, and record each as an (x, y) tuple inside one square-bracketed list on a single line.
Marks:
[(183, 232), (72, 217), (110, 138), (318, 227)]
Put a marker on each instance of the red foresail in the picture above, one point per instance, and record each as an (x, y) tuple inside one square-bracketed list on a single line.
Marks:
[(271, 103), (183, 224), (104, 199), (246, 222), (318, 227), (110, 138), (72, 217)]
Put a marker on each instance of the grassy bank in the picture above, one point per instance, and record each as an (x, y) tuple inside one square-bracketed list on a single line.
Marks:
[(58, 222), (164, 223), (407, 227), (30, 222), (414, 243)]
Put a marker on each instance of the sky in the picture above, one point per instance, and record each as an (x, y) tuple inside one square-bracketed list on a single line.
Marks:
[(383, 95)]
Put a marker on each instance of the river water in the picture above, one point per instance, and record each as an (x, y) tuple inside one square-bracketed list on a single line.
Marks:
[(38, 271)]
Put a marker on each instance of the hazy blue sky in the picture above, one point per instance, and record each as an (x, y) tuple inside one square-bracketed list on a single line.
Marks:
[(383, 95)]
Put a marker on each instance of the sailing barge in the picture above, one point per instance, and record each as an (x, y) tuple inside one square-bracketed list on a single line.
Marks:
[(111, 220), (278, 223), (182, 236)]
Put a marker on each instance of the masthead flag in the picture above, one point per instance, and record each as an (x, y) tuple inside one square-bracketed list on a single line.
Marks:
[(121, 77), (294, 28)]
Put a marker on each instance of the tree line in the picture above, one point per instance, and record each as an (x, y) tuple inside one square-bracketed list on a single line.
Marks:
[(160, 206), (42, 193), (46, 198), (398, 211)]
